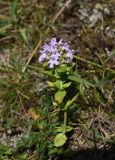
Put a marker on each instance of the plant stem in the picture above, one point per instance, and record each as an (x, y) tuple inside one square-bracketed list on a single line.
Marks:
[(65, 121)]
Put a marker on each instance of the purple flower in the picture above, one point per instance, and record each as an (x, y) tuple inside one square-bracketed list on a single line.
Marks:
[(53, 42), (56, 52), (53, 46), (46, 47), (55, 55), (53, 49), (42, 56), (65, 46), (70, 54), (53, 62)]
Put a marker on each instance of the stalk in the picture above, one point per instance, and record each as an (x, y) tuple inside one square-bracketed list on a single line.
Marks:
[(65, 121)]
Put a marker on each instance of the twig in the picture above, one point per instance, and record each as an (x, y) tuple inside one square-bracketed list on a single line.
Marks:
[(5, 38)]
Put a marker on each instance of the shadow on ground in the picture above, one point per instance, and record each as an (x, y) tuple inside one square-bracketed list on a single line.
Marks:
[(94, 154)]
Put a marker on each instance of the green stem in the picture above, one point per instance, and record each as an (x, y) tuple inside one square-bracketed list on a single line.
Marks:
[(65, 121)]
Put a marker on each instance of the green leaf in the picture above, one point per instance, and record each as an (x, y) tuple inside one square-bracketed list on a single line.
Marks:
[(97, 96), (60, 140), (80, 80), (59, 96), (55, 104), (49, 73), (62, 68), (2, 33), (13, 8), (50, 84), (4, 26), (8, 123), (81, 89), (105, 80), (59, 84), (23, 34), (4, 151), (69, 68), (70, 102), (66, 84), (54, 151), (69, 128), (112, 54), (62, 129)]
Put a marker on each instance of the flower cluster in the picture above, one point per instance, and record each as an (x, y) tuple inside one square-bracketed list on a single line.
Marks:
[(56, 52)]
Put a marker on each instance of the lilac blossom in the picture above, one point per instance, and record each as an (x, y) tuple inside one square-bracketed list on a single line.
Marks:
[(42, 56), (53, 62), (53, 42), (56, 52), (55, 55), (46, 47), (65, 46), (70, 54), (53, 49)]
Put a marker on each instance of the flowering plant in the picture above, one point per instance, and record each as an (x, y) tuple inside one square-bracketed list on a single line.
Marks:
[(57, 60), (56, 53)]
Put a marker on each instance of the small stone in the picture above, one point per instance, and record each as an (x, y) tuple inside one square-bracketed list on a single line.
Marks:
[(95, 17), (106, 11), (9, 131), (98, 6)]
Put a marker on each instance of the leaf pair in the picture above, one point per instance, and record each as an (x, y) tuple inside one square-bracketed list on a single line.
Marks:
[(70, 102), (59, 84), (60, 139), (65, 68)]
